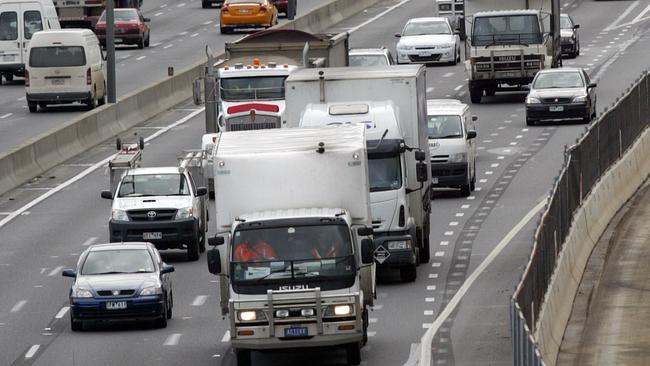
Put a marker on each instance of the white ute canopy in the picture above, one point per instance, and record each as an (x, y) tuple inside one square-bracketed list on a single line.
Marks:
[(282, 169)]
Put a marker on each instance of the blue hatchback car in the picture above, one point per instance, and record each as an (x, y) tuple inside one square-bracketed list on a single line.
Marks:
[(120, 281)]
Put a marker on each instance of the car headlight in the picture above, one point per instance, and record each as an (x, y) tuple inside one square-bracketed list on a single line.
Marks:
[(82, 293), (119, 215), (450, 45), (183, 213), (580, 99), (151, 290), (458, 158), (532, 100), (399, 244), (342, 310), (405, 48)]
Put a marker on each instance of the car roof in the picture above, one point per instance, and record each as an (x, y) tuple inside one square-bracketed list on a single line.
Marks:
[(427, 19), (117, 246), (154, 170), (561, 69)]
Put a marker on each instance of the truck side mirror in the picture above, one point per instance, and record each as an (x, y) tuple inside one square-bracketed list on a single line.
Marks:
[(471, 134), (422, 172), (196, 92), (201, 191), (107, 195), (365, 231), (217, 240), (367, 251), (420, 156), (214, 261)]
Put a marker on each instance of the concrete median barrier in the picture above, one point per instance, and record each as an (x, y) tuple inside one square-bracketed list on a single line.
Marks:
[(76, 136), (615, 187)]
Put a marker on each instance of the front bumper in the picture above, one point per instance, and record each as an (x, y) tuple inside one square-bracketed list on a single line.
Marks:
[(15, 69), (137, 308), (435, 56), (59, 97), (174, 233), (568, 47), (396, 257), (334, 338), (541, 112), (450, 174)]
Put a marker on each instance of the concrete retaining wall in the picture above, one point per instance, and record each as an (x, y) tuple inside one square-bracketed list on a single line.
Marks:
[(82, 133), (589, 223)]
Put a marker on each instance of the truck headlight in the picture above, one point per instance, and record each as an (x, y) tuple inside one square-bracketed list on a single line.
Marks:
[(119, 215), (580, 99), (532, 100), (183, 213), (399, 244), (458, 158), (82, 293), (342, 310), (250, 315), (151, 290)]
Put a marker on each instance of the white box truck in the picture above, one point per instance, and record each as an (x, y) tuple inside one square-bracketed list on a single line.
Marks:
[(293, 216), (395, 229), (405, 86)]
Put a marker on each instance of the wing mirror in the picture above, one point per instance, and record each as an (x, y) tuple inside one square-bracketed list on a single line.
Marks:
[(422, 171), (214, 261), (471, 134), (167, 268), (420, 156), (398, 35), (107, 195), (576, 26), (365, 231), (201, 191), (69, 273), (591, 85), (216, 241), (147, 20), (367, 251)]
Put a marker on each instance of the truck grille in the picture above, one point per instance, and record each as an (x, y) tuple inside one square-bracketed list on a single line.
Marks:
[(146, 215), (507, 63), (447, 172), (244, 123)]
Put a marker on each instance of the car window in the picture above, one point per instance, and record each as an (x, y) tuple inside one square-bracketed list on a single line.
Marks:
[(423, 28), (58, 56), (8, 26), (118, 261), (444, 126), (33, 23), (122, 16), (244, 1), (154, 185), (368, 60), (566, 23), (553, 80)]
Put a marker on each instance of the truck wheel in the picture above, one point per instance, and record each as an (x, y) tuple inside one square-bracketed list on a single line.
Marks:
[(364, 319), (193, 251), (465, 190), (490, 91), (408, 273), (33, 107), (353, 351), (475, 94), (243, 357), (425, 252), (9, 77)]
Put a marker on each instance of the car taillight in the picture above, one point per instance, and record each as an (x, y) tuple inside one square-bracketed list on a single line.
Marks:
[(224, 8), (26, 78), (262, 9), (89, 77)]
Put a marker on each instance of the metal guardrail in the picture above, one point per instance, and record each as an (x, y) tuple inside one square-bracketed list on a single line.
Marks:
[(602, 145)]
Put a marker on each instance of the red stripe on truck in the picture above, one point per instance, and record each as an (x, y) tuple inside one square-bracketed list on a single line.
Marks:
[(257, 106)]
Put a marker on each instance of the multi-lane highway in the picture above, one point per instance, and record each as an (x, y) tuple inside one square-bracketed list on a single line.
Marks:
[(516, 168), (180, 30)]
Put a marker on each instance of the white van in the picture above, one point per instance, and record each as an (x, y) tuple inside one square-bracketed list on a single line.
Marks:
[(451, 144), (65, 66), (19, 20)]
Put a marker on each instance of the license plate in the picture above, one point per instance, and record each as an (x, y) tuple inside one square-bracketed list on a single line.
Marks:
[(424, 54), (118, 40), (244, 11), (296, 332), (148, 236), (9, 58), (57, 82), (434, 180), (556, 108), (115, 305)]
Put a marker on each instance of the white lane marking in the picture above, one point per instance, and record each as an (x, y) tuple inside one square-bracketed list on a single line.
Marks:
[(372, 334), (6, 115), (98, 165), (156, 44), (444, 243), (425, 352), (460, 214), (21, 99), (431, 288), (32, 351), (622, 16), (158, 14), (440, 254), (640, 16), (464, 206), (354, 29), (457, 88), (428, 312), (169, 45), (194, 35), (141, 58), (433, 275), (448, 75), (89, 241), (449, 233), (182, 33), (494, 165), (55, 271), (19, 305), (199, 300), (173, 339), (482, 180), (426, 325), (378, 307), (180, 5), (436, 264), (163, 6), (62, 312), (462, 92), (208, 22), (453, 223), (429, 89), (488, 172), (429, 299), (226, 337)]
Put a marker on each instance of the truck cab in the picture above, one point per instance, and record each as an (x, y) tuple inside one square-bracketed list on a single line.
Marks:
[(162, 206), (394, 226)]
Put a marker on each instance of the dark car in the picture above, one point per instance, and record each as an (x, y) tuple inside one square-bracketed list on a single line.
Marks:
[(569, 36), (130, 28), (205, 4), (561, 94), (120, 281)]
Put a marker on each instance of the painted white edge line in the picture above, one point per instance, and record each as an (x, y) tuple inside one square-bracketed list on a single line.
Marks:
[(91, 169), (354, 29), (427, 338)]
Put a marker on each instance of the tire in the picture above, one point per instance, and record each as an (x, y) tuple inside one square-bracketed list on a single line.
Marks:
[(9, 77), (203, 239), (424, 253), (475, 94), (162, 321), (529, 122), (42, 105), (170, 305), (465, 190), (408, 273), (472, 183), (490, 91), (101, 101), (147, 41), (224, 30), (243, 357), (76, 325), (141, 43), (33, 107), (455, 62), (364, 325), (91, 103), (353, 353), (193, 250)]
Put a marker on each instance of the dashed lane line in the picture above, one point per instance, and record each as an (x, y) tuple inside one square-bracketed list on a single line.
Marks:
[(173, 339), (19, 305), (199, 300), (32, 351), (62, 312)]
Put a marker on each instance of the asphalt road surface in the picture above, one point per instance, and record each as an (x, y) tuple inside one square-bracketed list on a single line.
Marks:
[(516, 168)]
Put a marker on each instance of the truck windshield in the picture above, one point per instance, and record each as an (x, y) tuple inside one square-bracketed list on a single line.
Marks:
[(154, 185), (444, 127), (58, 56), (252, 88), (384, 173), (281, 254), (506, 29)]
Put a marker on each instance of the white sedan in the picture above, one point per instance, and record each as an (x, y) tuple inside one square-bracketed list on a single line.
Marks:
[(428, 40)]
